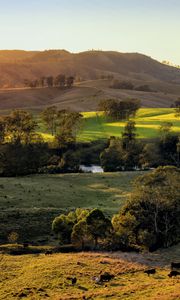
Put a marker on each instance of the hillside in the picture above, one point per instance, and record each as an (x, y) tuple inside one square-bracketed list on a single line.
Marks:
[(88, 68), (15, 66), (83, 96), (46, 277)]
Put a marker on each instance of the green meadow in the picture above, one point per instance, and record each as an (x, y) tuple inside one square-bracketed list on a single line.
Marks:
[(148, 120)]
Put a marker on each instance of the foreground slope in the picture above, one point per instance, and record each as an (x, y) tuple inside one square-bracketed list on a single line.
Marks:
[(41, 277)]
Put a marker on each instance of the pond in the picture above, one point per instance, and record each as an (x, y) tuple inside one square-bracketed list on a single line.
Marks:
[(91, 169)]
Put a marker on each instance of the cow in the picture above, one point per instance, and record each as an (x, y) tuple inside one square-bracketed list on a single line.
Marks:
[(48, 252), (150, 271), (175, 265), (106, 277), (173, 274)]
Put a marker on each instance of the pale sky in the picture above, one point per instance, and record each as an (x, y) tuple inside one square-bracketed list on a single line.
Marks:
[(145, 26)]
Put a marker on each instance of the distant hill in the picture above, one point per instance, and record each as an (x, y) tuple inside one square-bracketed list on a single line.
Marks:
[(88, 68), (17, 65)]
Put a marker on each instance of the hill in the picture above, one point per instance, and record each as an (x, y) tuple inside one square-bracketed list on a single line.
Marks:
[(83, 96), (15, 66), (88, 68)]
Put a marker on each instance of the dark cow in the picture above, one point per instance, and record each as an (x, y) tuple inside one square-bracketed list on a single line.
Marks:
[(150, 271), (105, 277), (72, 279), (48, 252), (173, 274), (175, 265)]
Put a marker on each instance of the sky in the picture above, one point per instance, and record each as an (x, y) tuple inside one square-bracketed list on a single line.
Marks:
[(150, 27)]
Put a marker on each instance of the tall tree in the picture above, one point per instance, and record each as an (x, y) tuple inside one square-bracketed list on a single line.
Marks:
[(151, 216), (129, 134), (49, 81), (49, 117), (177, 108), (70, 81)]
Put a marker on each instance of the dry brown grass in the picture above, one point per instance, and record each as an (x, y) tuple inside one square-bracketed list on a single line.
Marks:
[(42, 277)]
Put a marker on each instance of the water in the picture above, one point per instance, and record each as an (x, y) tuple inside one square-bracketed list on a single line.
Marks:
[(91, 169)]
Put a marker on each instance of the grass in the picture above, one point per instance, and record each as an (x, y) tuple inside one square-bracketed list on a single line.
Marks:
[(148, 121), (34, 201), (67, 191), (41, 277), (96, 126)]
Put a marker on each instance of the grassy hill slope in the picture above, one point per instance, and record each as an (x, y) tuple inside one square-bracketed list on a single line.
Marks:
[(40, 277), (148, 120), (83, 97)]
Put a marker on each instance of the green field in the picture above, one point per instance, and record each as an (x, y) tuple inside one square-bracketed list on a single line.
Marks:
[(148, 120), (33, 202)]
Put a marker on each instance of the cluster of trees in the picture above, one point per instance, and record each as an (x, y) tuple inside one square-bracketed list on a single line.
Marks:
[(23, 151), (128, 85), (129, 153), (60, 80), (149, 219), (119, 110), (122, 154), (83, 227)]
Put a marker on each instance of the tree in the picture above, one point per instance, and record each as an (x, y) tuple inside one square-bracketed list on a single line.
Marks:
[(70, 81), (60, 80), (42, 81), (22, 159), (98, 225), (177, 108), (63, 225), (111, 158), (19, 127), (126, 85), (69, 162), (68, 124), (151, 156), (122, 154), (151, 215), (49, 81), (2, 130), (80, 234), (165, 129), (49, 117), (129, 135), (119, 110)]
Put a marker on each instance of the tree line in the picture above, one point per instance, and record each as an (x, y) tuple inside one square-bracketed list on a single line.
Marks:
[(23, 150), (128, 85), (61, 81)]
